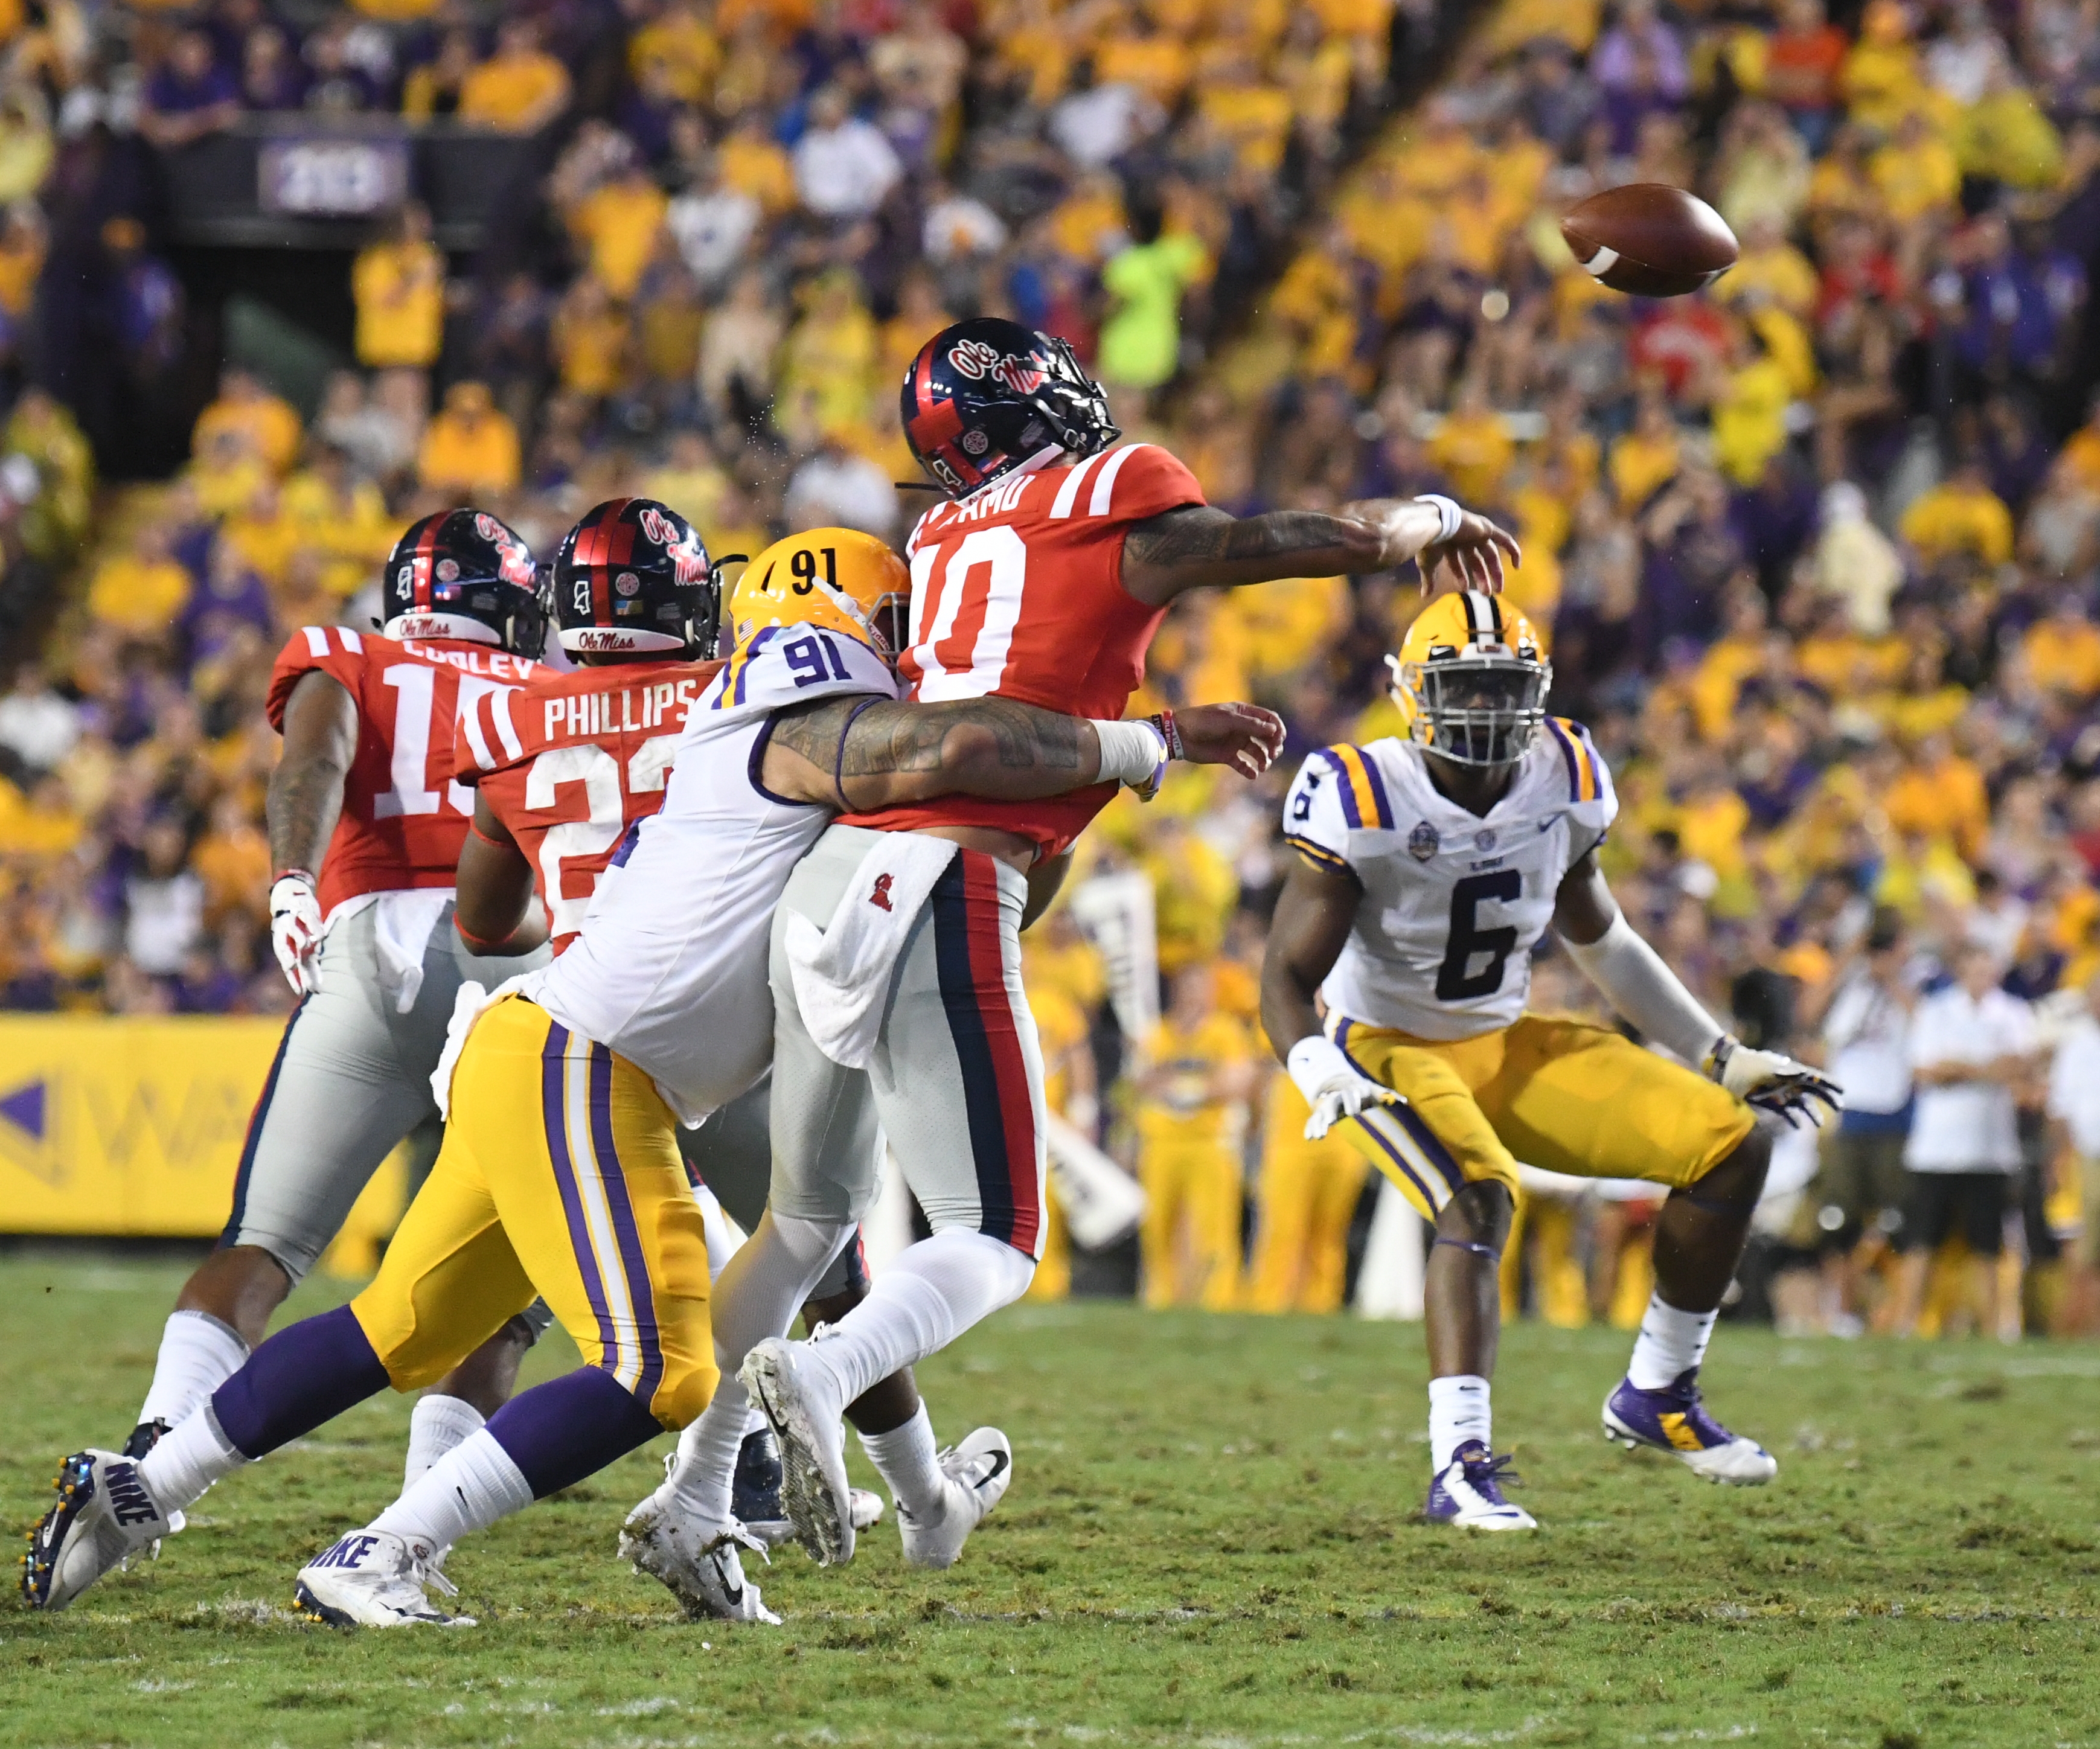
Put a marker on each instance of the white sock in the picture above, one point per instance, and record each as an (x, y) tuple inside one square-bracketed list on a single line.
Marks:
[(1671, 1343), (904, 1458), (722, 1245), (931, 1293), (198, 1354), (189, 1457), (468, 1489), (1458, 1413), (701, 1483), (435, 1426)]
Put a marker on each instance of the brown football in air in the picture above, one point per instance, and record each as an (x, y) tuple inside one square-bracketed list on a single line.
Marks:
[(1650, 240)]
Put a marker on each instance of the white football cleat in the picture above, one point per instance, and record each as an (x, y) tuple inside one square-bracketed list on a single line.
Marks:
[(699, 1563), (1468, 1492), (103, 1516), (979, 1472), (801, 1403), (372, 1579)]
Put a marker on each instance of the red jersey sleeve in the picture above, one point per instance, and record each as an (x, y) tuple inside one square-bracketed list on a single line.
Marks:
[(487, 738), (1138, 481), (336, 651)]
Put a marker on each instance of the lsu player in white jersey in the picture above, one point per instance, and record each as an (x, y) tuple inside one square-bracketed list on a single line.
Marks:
[(560, 1173), (1430, 867)]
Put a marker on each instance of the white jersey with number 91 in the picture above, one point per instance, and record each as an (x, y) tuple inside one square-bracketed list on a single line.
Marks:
[(1454, 902)]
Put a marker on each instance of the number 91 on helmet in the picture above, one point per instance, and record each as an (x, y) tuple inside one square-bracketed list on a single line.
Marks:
[(836, 579), (1470, 679)]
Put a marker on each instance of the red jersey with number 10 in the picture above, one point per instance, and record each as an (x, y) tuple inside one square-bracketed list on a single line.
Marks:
[(403, 819), (1016, 591), (572, 761)]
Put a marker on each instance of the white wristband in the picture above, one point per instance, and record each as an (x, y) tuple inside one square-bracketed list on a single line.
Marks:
[(1449, 515), (1131, 753), (1314, 1063)]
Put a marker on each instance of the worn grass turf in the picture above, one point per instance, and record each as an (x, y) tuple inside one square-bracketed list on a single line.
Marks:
[(1210, 1539)]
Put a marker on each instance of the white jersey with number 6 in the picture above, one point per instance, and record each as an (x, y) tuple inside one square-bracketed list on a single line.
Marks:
[(670, 970), (1454, 902)]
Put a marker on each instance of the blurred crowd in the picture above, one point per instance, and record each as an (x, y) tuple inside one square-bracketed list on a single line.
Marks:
[(1814, 551)]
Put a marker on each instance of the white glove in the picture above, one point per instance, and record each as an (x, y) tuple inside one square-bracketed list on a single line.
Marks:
[(1773, 1082), (295, 929), (1332, 1084)]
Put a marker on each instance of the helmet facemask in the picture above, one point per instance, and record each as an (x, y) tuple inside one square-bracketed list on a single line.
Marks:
[(1481, 709)]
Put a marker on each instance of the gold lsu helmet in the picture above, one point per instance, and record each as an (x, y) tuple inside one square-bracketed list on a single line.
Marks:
[(1470, 679), (838, 578)]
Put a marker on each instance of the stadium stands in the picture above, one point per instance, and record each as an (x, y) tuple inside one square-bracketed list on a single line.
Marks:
[(1816, 551)]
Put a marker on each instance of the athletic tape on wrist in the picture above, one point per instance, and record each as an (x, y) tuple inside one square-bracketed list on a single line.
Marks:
[(1448, 514)]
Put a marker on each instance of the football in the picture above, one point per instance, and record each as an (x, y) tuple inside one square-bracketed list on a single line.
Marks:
[(1650, 240)]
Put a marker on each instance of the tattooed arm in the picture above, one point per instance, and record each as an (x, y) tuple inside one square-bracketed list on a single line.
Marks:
[(1199, 546), (858, 752), (305, 790)]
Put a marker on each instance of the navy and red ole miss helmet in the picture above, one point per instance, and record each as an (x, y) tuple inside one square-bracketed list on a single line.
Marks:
[(988, 396), (465, 575), (634, 574)]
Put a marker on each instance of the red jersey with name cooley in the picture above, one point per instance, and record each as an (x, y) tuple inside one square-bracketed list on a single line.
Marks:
[(403, 819), (572, 761), (1016, 592)]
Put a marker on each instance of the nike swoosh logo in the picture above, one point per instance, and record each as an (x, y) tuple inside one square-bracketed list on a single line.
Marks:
[(734, 1594), (1000, 1461)]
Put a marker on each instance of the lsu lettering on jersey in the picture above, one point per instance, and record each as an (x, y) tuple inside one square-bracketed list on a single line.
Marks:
[(570, 761), (1017, 591), (403, 817), (1453, 903), (670, 970)]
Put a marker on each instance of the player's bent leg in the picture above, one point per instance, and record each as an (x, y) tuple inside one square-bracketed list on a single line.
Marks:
[(1699, 1240), (1439, 1148)]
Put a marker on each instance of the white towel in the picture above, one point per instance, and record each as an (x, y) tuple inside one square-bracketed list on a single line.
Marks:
[(842, 973), (472, 1001), (401, 926)]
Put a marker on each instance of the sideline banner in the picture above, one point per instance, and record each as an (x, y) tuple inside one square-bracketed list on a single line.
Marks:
[(133, 1128)]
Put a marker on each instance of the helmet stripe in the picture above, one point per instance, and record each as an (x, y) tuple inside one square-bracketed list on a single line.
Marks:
[(425, 561)]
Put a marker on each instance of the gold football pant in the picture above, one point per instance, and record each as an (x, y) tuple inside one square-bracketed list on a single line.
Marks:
[(560, 1174), (1307, 1198), (1558, 1093), (1192, 1191)]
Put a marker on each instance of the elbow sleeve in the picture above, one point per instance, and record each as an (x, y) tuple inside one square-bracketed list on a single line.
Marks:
[(1636, 982)]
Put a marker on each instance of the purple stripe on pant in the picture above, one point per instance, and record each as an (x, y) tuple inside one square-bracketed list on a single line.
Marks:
[(571, 1427), (634, 1261), (307, 1374), (554, 1070)]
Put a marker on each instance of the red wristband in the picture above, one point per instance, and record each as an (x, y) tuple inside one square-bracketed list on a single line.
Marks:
[(1163, 722)]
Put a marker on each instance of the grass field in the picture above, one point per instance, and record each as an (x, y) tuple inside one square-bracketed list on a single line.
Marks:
[(1211, 1539)]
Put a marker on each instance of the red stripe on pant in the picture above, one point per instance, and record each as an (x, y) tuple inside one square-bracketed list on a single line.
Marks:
[(1002, 1040)]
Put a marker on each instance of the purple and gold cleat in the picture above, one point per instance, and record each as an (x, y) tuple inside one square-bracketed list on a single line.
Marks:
[(1675, 1421), (1468, 1492)]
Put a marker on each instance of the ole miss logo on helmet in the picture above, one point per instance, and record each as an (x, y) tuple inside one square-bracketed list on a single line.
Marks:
[(977, 360), (513, 559), (688, 561)]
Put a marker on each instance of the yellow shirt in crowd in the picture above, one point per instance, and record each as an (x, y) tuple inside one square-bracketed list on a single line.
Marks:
[(1186, 1110), (139, 596), (400, 292)]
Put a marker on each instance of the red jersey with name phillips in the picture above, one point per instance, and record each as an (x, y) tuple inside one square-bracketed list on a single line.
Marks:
[(572, 761), (1016, 591), (403, 819)]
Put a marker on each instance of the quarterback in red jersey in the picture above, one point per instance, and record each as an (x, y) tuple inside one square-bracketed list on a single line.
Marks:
[(1042, 580), (365, 827)]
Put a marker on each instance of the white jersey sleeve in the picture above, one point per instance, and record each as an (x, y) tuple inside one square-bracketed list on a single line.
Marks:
[(1339, 797), (782, 665), (1592, 803)]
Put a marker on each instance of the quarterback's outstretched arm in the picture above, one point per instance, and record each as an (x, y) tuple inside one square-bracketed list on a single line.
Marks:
[(305, 801), (1199, 546), (856, 752), (1637, 983)]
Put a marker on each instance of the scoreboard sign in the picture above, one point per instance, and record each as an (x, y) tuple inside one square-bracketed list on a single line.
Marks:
[(323, 177)]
